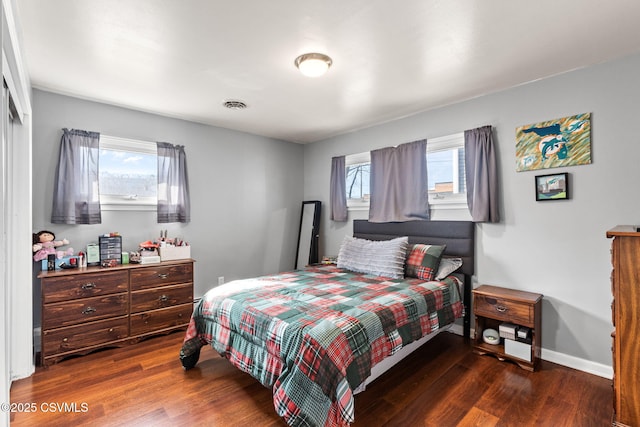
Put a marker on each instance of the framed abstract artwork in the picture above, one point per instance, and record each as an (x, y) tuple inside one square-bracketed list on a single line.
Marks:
[(552, 187), (554, 143)]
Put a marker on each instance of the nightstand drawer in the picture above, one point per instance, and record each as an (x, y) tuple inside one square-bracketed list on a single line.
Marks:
[(504, 309)]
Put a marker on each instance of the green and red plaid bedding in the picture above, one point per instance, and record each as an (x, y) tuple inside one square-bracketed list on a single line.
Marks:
[(313, 335)]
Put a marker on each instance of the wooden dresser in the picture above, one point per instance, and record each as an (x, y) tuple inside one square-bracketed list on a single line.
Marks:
[(625, 285), (90, 308)]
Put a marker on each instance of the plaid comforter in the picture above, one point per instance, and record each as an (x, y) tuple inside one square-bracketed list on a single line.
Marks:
[(313, 335)]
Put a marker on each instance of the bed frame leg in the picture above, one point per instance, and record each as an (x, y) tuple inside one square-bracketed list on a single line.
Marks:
[(467, 308)]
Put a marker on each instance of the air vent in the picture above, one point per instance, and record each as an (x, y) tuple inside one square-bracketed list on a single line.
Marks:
[(235, 105)]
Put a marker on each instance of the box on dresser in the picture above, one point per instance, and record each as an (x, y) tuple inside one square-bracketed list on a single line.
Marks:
[(85, 309), (168, 253)]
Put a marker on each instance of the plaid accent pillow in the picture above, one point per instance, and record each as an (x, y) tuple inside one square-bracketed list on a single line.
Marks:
[(423, 261)]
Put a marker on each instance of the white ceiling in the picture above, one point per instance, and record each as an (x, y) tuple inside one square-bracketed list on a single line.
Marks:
[(390, 59)]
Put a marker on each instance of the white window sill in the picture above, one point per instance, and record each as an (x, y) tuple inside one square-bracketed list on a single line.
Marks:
[(432, 206), (127, 207), (448, 206), (357, 208)]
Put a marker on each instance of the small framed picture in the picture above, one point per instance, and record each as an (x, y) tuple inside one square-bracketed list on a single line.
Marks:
[(552, 187)]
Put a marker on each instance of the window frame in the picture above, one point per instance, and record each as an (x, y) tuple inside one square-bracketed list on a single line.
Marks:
[(123, 203), (442, 143)]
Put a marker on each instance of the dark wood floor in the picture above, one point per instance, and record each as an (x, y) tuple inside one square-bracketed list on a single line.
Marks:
[(442, 384)]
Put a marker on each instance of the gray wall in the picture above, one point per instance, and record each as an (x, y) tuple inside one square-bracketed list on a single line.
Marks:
[(556, 248), (246, 190)]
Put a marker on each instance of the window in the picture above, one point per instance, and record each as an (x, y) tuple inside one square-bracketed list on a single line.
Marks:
[(128, 174), (445, 170), (357, 175)]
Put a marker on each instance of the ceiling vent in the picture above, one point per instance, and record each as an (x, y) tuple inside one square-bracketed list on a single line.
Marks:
[(234, 105)]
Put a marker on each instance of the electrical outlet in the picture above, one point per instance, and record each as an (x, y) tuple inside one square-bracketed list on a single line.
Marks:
[(221, 280)]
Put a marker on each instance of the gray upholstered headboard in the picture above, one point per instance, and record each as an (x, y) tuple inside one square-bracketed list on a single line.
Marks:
[(458, 236)]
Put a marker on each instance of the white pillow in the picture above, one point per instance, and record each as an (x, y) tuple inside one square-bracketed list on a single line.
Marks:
[(448, 266), (379, 258)]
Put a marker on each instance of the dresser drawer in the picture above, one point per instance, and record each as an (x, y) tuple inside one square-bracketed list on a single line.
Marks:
[(166, 296), (154, 276), (83, 310), (86, 335), (156, 320), (504, 309), (64, 288)]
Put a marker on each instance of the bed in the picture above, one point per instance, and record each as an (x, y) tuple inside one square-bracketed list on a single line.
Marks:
[(317, 336)]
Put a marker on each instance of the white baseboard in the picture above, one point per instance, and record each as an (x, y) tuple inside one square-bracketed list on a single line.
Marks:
[(584, 365), (563, 359)]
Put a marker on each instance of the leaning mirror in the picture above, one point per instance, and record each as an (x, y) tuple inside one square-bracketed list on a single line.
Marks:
[(309, 234)]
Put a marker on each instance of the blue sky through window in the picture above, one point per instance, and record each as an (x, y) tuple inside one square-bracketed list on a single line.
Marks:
[(124, 173), (439, 168)]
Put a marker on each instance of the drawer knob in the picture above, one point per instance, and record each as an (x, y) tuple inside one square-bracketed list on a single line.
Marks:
[(164, 298), (65, 339), (110, 329), (501, 308), (89, 310), (89, 286), (163, 275)]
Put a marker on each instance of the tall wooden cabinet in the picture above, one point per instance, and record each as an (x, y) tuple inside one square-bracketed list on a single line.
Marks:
[(86, 309), (625, 285)]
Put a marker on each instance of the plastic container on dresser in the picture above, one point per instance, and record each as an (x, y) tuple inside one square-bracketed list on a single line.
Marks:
[(625, 286), (86, 309)]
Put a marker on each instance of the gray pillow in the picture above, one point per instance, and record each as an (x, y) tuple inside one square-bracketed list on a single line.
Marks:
[(379, 258), (448, 266)]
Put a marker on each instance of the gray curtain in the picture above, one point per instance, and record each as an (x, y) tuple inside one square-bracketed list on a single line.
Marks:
[(76, 197), (174, 203), (481, 175), (338, 190), (399, 190)]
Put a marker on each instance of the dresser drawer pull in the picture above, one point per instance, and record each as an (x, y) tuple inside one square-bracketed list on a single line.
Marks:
[(89, 310), (65, 340), (163, 275), (501, 308), (164, 298), (89, 286)]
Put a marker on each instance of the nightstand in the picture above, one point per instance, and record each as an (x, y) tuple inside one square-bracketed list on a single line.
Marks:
[(493, 306)]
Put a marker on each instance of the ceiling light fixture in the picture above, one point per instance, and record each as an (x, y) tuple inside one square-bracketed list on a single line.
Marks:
[(313, 64)]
